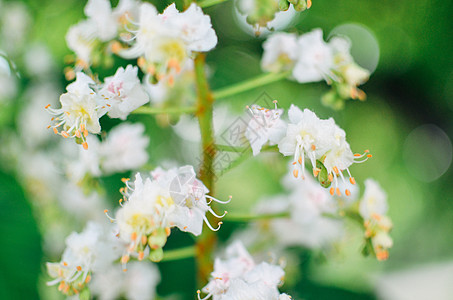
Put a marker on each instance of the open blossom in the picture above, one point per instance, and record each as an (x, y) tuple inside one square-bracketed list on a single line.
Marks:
[(280, 52), (315, 59), (238, 277), (308, 137), (85, 252), (373, 208), (351, 74), (164, 42), (151, 206), (311, 59), (80, 110), (124, 148), (123, 92), (265, 125), (102, 25)]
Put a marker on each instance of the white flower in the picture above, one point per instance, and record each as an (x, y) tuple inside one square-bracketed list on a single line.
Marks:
[(138, 283), (123, 92), (167, 40), (306, 135), (190, 197), (374, 200), (143, 213), (237, 277), (81, 40), (124, 149), (315, 59), (100, 13), (280, 52), (80, 110), (195, 27), (265, 125), (344, 66), (319, 140), (85, 252)]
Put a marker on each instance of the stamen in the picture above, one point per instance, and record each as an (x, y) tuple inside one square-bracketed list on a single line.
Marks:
[(210, 226), (347, 192), (134, 236), (144, 239), (110, 218), (141, 255), (332, 191), (219, 201), (85, 145), (216, 215), (352, 180), (338, 192)]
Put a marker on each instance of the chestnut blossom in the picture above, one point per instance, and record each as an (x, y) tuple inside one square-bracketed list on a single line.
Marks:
[(151, 206), (265, 125), (280, 52), (85, 252), (81, 108), (164, 42), (238, 277), (123, 92), (373, 208), (321, 141)]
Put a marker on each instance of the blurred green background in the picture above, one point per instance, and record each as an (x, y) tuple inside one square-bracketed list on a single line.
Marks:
[(411, 87)]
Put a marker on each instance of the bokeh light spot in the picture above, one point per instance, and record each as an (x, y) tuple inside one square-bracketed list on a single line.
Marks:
[(365, 47), (427, 152)]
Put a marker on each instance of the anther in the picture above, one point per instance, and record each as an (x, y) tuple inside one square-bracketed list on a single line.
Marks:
[(141, 255), (296, 173), (338, 192), (47, 106), (85, 145), (134, 236), (347, 192), (79, 268), (332, 191), (352, 180)]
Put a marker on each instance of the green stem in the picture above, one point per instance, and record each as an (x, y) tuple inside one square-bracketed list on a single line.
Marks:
[(249, 84), (208, 3), (147, 110), (207, 241), (181, 253), (228, 148), (251, 217)]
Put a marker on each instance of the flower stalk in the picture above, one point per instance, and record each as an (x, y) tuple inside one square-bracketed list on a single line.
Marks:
[(249, 84), (205, 100)]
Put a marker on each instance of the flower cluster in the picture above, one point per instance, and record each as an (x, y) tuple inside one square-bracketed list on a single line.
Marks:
[(164, 43), (239, 277), (311, 59), (307, 137), (86, 252), (373, 208), (86, 101), (151, 206)]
